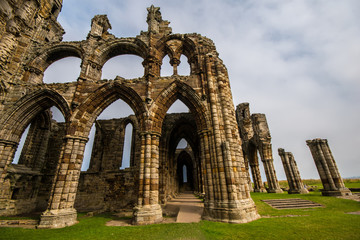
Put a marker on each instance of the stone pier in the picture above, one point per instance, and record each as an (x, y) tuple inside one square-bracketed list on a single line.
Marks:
[(292, 173), (256, 139), (326, 166)]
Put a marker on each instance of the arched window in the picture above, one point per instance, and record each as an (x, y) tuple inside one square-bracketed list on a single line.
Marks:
[(182, 144), (33, 137), (63, 70), (178, 107), (126, 66), (21, 145), (166, 68), (125, 162), (118, 109), (184, 67), (184, 174)]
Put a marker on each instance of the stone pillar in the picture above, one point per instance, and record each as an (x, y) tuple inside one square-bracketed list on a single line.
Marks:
[(61, 211), (326, 166), (175, 63), (7, 151), (268, 162), (206, 168), (255, 172), (148, 209), (232, 202), (292, 173)]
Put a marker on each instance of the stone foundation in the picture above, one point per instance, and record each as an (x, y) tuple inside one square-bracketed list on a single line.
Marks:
[(148, 214), (241, 211), (58, 218), (339, 192)]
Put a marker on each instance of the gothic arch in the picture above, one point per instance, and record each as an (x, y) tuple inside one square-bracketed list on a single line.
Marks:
[(135, 128), (183, 128), (85, 115), (15, 120), (54, 53), (185, 159), (179, 90), (188, 46), (176, 45), (122, 46)]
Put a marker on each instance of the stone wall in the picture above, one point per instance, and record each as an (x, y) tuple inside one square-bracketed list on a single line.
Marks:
[(217, 158)]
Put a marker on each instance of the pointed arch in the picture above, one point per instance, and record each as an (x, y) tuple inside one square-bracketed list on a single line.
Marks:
[(185, 93), (56, 52), (122, 46), (134, 138), (85, 115), (189, 47), (14, 121)]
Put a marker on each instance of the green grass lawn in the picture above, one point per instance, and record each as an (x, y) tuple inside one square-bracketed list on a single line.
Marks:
[(349, 183), (328, 222)]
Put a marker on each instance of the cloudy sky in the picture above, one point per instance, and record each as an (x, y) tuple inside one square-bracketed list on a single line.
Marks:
[(296, 61)]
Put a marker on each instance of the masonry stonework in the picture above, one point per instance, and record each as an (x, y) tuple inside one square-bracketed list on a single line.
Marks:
[(292, 173), (256, 138), (325, 163), (48, 176)]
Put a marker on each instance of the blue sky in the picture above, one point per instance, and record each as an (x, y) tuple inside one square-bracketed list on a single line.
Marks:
[(295, 61)]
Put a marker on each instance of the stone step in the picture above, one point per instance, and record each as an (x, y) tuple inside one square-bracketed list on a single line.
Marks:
[(291, 203)]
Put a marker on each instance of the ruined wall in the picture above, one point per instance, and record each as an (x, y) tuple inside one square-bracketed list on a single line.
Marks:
[(256, 138), (328, 171), (104, 187), (25, 26), (28, 183), (29, 51)]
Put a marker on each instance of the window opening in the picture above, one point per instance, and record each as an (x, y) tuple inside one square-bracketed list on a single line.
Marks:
[(126, 66), (63, 70), (184, 174), (125, 162), (21, 145)]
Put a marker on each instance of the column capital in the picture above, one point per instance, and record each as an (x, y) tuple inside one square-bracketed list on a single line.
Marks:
[(152, 133), (81, 138)]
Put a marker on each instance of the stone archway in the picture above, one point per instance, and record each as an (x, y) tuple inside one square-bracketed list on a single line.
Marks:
[(212, 134), (185, 172)]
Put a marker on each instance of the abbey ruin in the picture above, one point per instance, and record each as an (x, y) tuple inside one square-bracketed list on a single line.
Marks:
[(48, 177)]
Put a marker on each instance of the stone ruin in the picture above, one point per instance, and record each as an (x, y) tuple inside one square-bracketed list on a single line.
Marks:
[(48, 177), (325, 163), (48, 180), (256, 138), (292, 173)]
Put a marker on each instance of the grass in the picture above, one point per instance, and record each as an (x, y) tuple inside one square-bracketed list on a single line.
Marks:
[(316, 183), (328, 222)]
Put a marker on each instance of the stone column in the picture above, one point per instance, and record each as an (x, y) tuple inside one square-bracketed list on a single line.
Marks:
[(326, 166), (148, 209), (268, 162), (61, 212), (7, 151), (232, 201), (292, 173), (255, 172), (206, 168)]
